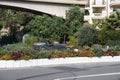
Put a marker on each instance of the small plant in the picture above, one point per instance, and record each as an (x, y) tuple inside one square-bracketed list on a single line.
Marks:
[(15, 55), (43, 54), (5, 57), (73, 41), (30, 40), (98, 52), (25, 57), (54, 53), (110, 52), (86, 52)]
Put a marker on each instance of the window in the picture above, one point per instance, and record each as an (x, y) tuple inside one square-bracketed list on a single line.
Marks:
[(99, 2)]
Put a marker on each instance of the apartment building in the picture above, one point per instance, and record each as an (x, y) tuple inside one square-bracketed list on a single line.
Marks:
[(99, 9)]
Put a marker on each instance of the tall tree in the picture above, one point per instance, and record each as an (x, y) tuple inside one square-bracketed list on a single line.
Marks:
[(51, 28), (113, 21), (74, 19)]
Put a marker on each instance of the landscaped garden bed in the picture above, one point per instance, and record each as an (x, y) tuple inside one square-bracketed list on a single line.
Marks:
[(25, 52)]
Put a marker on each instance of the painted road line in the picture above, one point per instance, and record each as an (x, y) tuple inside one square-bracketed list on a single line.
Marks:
[(87, 76)]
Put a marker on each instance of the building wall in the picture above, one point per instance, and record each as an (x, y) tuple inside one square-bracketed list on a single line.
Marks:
[(98, 9)]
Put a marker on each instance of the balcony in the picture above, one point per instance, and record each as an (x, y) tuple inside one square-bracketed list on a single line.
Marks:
[(98, 16), (101, 6)]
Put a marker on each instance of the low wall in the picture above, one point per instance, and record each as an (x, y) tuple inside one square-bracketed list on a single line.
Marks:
[(56, 61)]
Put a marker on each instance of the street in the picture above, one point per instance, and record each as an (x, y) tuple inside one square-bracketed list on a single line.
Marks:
[(91, 71)]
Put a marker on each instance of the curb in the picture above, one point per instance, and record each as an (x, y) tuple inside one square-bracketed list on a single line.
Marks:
[(56, 61)]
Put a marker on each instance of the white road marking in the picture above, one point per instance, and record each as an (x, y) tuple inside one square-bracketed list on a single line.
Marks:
[(86, 76)]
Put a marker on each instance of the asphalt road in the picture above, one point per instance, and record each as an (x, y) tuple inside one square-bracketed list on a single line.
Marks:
[(93, 71)]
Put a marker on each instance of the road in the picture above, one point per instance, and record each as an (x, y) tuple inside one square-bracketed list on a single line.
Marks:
[(91, 71)]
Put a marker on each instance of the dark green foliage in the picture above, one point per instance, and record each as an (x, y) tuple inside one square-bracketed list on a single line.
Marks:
[(113, 22), (6, 40), (110, 29), (113, 43), (74, 19), (46, 27), (106, 36), (87, 36), (1, 25)]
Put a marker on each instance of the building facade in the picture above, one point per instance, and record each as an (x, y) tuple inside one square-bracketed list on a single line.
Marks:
[(99, 9)]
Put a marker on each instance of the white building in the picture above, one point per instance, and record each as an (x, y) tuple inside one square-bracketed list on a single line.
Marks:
[(99, 9)]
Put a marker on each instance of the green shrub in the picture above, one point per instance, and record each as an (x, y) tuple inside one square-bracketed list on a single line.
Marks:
[(113, 43), (12, 48), (73, 41), (2, 51), (108, 36), (30, 40), (29, 52), (87, 36), (98, 52), (43, 54)]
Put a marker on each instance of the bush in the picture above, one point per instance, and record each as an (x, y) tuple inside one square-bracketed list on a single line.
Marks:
[(109, 36), (86, 52), (5, 57), (87, 36), (43, 54), (29, 52), (113, 43), (12, 48), (17, 52), (73, 41), (25, 57), (15, 55), (98, 52), (30, 40), (110, 52)]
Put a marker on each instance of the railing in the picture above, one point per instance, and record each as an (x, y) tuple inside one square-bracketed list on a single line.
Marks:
[(97, 14)]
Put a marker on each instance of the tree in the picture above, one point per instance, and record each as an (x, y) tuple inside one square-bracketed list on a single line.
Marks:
[(74, 19), (51, 28), (109, 26), (13, 19), (112, 22), (87, 36)]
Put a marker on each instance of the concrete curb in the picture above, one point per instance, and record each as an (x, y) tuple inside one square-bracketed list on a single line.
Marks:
[(56, 61)]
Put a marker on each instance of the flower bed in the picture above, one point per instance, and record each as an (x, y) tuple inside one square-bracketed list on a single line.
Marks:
[(21, 55), (24, 52)]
